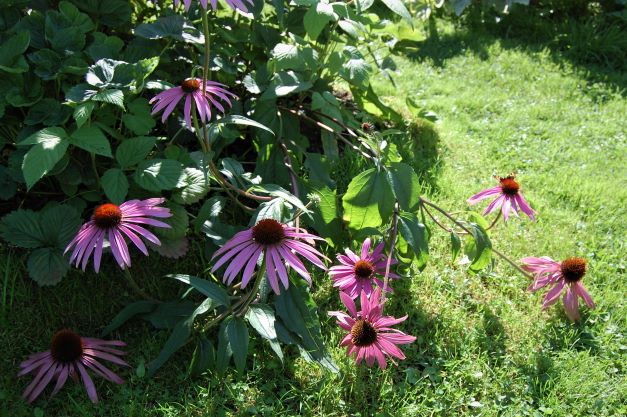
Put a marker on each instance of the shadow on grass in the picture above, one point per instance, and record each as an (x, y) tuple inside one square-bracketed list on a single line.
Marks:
[(595, 46)]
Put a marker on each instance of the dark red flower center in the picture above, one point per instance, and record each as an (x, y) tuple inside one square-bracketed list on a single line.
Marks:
[(509, 185), (66, 346), (573, 269), (363, 333), (268, 232), (363, 269), (107, 216), (190, 85)]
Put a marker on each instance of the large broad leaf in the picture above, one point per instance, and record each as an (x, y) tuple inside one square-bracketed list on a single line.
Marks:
[(405, 185), (237, 334), (317, 17), (261, 318), (355, 69), (298, 312), (285, 83), (179, 221), (369, 200), (50, 146), (296, 57), (22, 228), (208, 288), (134, 150), (115, 185), (276, 191), (59, 225), (479, 249), (138, 119), (11, 59), (193, 185), (47, 266), (415, 234), (174, 27), (158, 174), (91, 139), (399, 8), (204, 356)]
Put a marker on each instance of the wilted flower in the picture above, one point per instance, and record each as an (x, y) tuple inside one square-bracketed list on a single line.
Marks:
[(278, 243), (509, 197), (357, 273), (370, 335), (233, 4), (560, 275), (69, 356), (112, 222), (192, 88)]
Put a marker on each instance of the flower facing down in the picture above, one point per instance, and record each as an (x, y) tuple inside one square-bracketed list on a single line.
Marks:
[(112, 223), (509, 198), (562, 276), (233, 4), (278, 243), (70, 355), (370, 335), (357, 273), (192, 89)]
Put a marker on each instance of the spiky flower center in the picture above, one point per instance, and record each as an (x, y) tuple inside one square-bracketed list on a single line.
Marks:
[(509, 185), (66, 346), (363, 269), (190, 85), (363, 333), (107, 216), (573, 269), (268, 232)]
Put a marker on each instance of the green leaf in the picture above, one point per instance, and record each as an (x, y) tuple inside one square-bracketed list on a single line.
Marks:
[(208, 288), (42, 157), (192, 187), (296, 57), (298, 312), (368, 201), (59, 225), (285, 83), (47, 266), (22, 228), (167, 314), (44, 135), (479, 250), (175, 27), (405, 185), (177, 339), (115, 185), (11, 50), (415, 234), (49, 112), (134, 150), (91, 139), (179, 221), (317, 17), (399, 8), (127, 313), (355, 69), (82, 113), (261, 318), (237, 334), (115, 97), (456, 245), (138, 119), (204, 357), (276, 191), (158, 174), (242, 121)]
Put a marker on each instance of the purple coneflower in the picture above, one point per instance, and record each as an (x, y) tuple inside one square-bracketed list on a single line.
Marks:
[(567, 273), (357, 273), (69, 356), (278, 243), (370, 335), (509, 197), (233, 4), (189, 89), (112, 222)]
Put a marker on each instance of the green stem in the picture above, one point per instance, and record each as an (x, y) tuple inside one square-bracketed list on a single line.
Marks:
[(136, 288), (95, 168), (388, 264), (261, 273)]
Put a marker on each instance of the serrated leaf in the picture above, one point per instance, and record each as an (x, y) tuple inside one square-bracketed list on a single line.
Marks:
[(82, 113), (158, 174), (42, 157), (399, 8), (115, 97), (115, 185), (317, 18), (368, 201), (405, 185), (91, 139), (138, 119), (11, 50), (276, 191), (285, 83), (22, 228), (192, 187), (59, 225), (415, 234), (174, 27), (208, 288), (134, 150), (179, 221), (47, 266)]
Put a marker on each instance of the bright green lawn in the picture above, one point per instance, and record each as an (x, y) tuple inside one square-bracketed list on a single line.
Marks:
[(484, 347)]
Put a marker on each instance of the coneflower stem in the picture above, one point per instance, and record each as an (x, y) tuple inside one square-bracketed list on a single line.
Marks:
[(136, 288), (388, 263), (261, 273)]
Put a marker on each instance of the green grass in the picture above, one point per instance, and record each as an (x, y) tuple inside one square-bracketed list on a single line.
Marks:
[(484, 347)]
